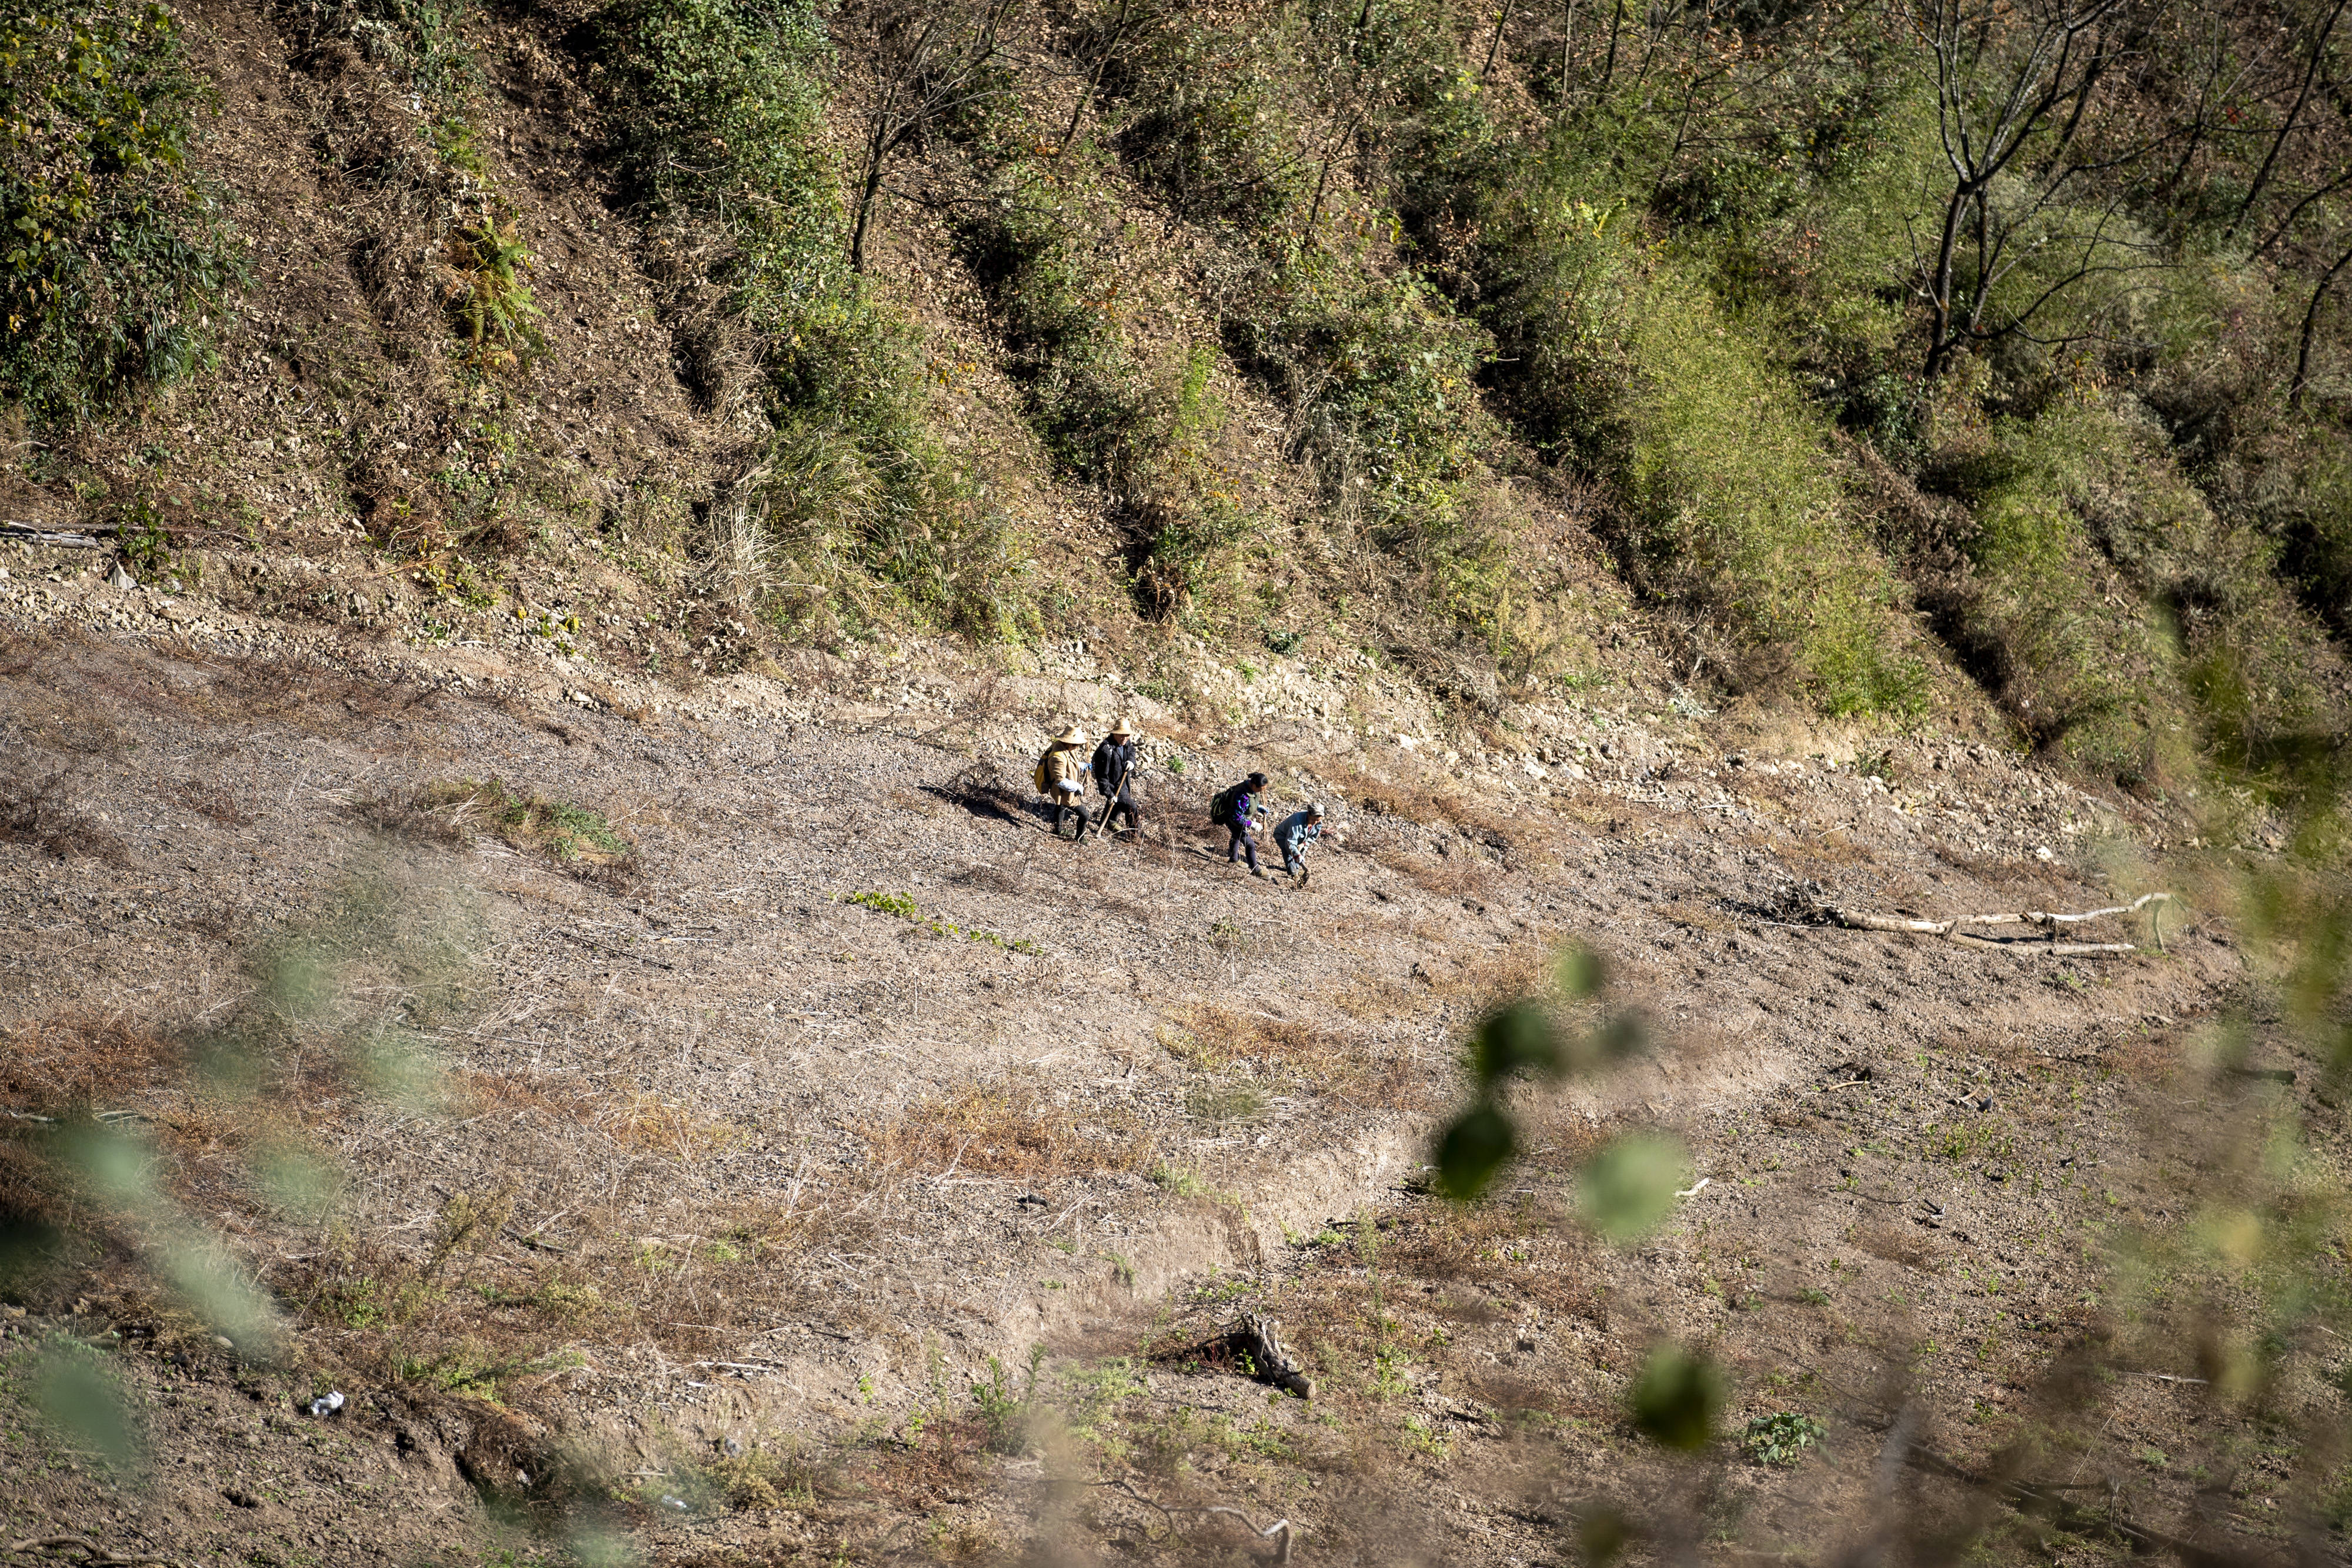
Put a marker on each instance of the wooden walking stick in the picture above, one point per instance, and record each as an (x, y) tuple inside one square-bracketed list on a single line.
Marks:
[(1110, 803)]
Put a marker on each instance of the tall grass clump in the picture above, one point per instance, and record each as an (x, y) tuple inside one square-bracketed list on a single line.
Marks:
[(1617, 360), (1737, 501), (118, 257), (2102, 582), (856, 514)]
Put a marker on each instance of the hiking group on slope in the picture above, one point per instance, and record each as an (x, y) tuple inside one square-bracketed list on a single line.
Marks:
[(1065, 771)]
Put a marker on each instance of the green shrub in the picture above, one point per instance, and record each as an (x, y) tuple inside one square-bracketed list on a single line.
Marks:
[(1730, 481), (1033, 245), (491, 304), (857, 514), (1210, 119), (1622, 362), (118, 257), (2068, 641), (1781, 1438), (417, 41)]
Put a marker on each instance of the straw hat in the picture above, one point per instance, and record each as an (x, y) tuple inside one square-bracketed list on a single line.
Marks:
[(1072, 736), (1120, 732)]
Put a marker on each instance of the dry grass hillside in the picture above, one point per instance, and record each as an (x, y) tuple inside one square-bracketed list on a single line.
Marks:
[(541, 1019), (761, 1111)]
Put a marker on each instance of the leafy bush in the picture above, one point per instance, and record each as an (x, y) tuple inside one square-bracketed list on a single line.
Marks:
[(1033, 247), (1211, 123), (715, 127), (1731, 502), (117, 255), (1781, 1438), (418, 40), (489, 302)]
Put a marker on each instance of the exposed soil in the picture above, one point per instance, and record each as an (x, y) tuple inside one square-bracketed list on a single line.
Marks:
[(750, 1163)]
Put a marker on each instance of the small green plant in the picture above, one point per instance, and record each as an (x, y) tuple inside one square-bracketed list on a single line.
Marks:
[(148, 550), (903, 907), (897, 904), (489, 300), (1002, 1412), (573, 835), (452, 136), (1177, 1181), (1781, 1438)]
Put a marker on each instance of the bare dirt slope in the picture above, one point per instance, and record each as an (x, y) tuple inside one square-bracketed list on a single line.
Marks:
[(676, 1173)]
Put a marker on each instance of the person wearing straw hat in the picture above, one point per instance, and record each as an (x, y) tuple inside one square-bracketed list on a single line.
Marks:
[(1115, 764), (1062, 778)]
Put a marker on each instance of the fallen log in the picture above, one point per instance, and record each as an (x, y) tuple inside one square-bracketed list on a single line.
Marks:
[(57, 538), (2048, 920)]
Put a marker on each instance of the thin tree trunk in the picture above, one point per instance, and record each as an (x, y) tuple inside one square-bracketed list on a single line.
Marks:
[(1502, 14), (1983, 292), (1566, 48), (1939, 291), (877, 152), (1094, 79), (2297, 211), (2171, 182), (2310, 325), (1609, 68), (2286, 126)]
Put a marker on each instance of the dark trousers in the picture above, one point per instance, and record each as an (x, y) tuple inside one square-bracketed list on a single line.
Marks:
[(1122, 807), (1069, 808), (1239, 843)]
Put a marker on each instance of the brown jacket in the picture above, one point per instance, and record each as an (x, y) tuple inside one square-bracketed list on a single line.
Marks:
[(1061, 764)]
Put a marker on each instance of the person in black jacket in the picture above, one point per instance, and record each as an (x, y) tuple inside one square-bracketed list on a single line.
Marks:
[(1240, 820), (1115, 765)]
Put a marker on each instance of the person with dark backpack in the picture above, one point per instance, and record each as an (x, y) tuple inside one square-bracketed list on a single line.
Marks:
[(1235, 811)]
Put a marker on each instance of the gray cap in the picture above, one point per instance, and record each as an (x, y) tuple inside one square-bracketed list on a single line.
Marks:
[(1315, 808)]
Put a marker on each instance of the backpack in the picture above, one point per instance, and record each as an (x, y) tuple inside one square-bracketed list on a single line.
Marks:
[(1038, 777), (1224, 803)]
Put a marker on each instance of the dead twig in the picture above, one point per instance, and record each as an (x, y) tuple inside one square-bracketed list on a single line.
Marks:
[(615, 951), (94, 1556), (512, 1234), (2041, 1497), (33, 533), (1280, 1526)]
